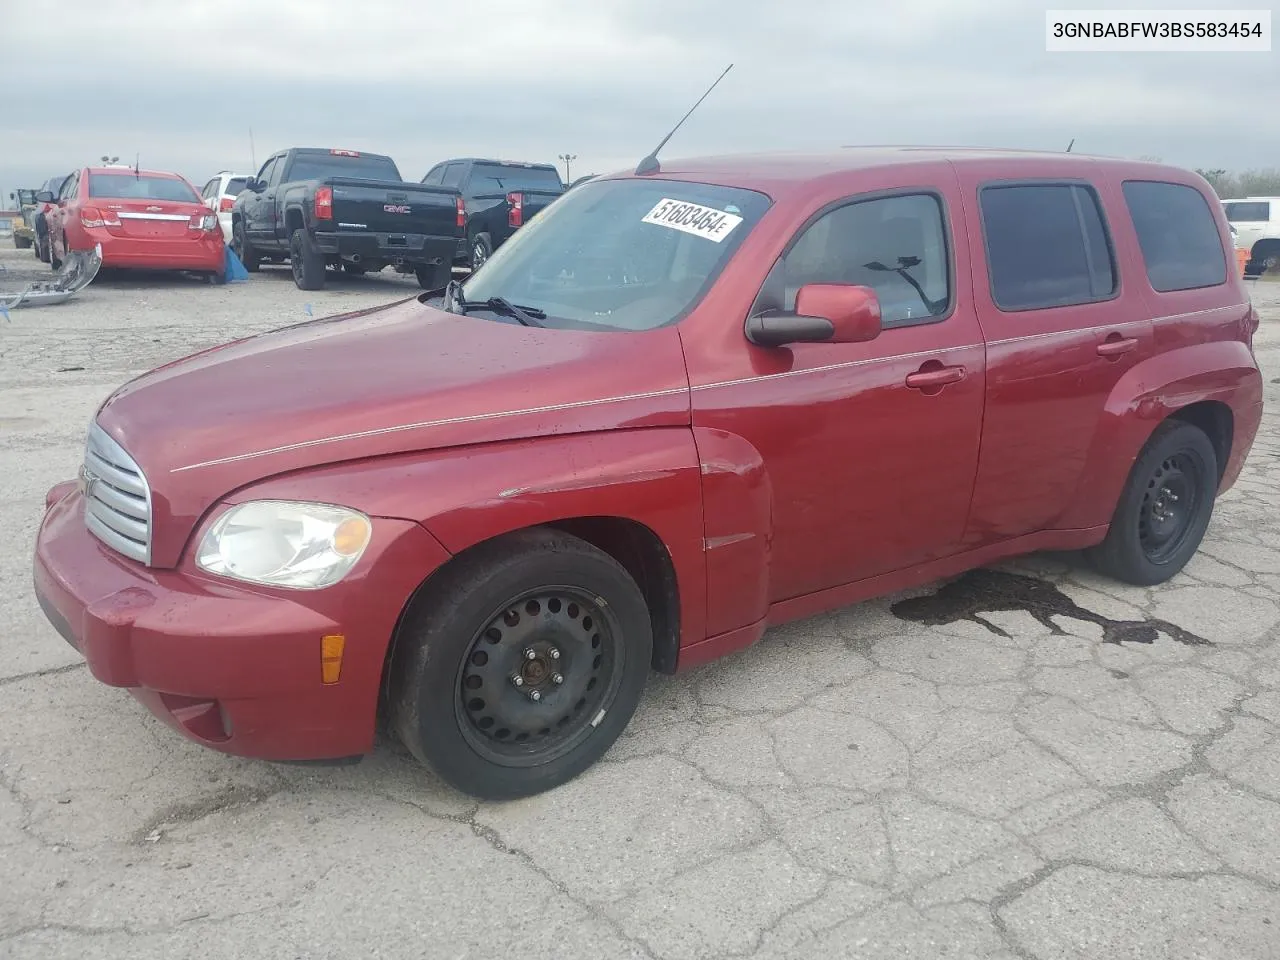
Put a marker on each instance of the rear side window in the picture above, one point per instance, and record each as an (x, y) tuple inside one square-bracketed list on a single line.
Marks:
[(1178, 235), (1252, 211), (1047, 246), (453, 174)]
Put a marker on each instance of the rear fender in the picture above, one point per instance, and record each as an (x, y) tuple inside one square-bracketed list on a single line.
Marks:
[(1151, 392), (464, 496)]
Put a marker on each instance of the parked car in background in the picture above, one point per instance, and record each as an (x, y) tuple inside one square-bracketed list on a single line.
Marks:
[(219, 195), (328, 207), (581, 180), (144, 219), (1257, 223), (40, 209), (695, 403), (498, 196), (24, 201)]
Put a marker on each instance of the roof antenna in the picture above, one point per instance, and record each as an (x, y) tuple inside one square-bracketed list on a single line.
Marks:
[(650, 163), (1071, 144), (137, 163)]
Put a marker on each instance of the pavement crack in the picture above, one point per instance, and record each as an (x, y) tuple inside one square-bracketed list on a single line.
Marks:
[(49, 672), (180, 814)]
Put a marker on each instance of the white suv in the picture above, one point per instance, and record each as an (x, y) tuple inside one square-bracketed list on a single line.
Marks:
[(220, 193), (1257, 225)]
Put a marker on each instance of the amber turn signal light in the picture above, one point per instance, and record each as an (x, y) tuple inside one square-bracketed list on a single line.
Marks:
[(331, 648)]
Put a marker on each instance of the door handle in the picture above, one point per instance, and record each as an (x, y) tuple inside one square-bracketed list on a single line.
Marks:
[(1114, 347), (924, 379)]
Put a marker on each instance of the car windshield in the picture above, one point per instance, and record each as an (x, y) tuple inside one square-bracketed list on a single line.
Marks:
[(620, 254), (129, 186), (321, 166)]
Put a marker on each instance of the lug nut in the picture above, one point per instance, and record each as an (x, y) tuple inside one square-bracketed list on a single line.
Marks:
[(556, 678), (554, 653), (518, 680), (529, 654), (535, 696)]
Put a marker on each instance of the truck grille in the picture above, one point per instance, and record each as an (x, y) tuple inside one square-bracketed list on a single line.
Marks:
[(117, 500)]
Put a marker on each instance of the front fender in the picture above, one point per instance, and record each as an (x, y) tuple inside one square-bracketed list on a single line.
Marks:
[(1149, 393), (466, 495)]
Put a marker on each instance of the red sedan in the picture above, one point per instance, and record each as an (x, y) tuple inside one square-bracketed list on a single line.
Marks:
[(142, 218)]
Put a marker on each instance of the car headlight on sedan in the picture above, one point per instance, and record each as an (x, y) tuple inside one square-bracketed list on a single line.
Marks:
[(280, 543)]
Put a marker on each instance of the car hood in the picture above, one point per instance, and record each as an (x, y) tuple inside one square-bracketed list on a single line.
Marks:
[(401, 378)]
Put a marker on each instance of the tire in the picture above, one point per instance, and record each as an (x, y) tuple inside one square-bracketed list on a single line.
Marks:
[(244, 250), (481, 250), (1175, 477), (433, 277), (306, 261), (453, 698), (22, 243), (54, 260)]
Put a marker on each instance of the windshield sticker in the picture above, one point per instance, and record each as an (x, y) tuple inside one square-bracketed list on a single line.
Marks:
[(692, 218)]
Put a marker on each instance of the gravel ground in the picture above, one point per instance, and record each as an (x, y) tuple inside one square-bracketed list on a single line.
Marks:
[(857, 785)]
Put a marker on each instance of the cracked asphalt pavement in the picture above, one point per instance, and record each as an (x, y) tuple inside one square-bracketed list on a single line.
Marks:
[(1003, 774)]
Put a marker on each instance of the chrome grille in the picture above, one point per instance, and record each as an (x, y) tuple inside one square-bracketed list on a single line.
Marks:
[(117, 500)]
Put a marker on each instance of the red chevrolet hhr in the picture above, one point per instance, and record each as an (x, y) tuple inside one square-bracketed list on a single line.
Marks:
[(679, 406)]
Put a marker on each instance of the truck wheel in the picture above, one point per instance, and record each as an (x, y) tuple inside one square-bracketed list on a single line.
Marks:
[(244, 250), (21, 242), (1164, 509), (433, 277), (520, 664), (307, 262), (481, 248)]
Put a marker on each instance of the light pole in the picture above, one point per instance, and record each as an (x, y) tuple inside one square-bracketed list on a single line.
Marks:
[(567, 158)]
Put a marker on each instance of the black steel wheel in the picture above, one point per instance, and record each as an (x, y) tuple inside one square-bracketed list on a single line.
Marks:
[(306, 261), (536, 676), (1164, 509), (518, 665)]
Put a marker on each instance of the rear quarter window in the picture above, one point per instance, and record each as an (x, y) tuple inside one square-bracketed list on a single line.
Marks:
[(1178, 235)]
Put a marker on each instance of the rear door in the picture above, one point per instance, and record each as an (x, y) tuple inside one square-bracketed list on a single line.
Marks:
[(1061, 330), (62, 214)]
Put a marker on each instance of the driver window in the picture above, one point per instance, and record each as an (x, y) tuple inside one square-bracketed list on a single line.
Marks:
[(69, 187), (895, 245), (264, 175)]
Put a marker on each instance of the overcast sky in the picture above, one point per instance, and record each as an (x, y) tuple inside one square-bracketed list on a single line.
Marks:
[(182, 82)]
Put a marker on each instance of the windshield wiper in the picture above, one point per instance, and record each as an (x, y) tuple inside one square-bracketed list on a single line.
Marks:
[(455, 302)]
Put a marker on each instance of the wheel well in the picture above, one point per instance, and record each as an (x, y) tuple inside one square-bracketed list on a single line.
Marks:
[(1217, 421), (640, 551), (645, 557), (1263, 247)]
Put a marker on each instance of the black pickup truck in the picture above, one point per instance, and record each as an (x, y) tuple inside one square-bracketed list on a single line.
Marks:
[(323, 207), (499, 197)]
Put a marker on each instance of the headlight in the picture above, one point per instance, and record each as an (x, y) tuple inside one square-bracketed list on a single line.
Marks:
[(284, 544)]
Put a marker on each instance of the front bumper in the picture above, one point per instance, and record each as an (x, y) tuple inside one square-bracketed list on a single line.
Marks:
[(231, 666)]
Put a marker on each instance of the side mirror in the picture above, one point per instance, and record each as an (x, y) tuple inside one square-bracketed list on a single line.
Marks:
[(825, 313), (44, 196)]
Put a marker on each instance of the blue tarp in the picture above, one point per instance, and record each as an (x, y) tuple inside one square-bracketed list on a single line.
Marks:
[(236, 273)]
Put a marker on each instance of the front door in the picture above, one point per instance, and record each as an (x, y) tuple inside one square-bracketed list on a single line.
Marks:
[(869, 449)]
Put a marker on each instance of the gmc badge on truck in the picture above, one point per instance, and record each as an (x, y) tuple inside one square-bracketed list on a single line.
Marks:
[(397, 208)]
